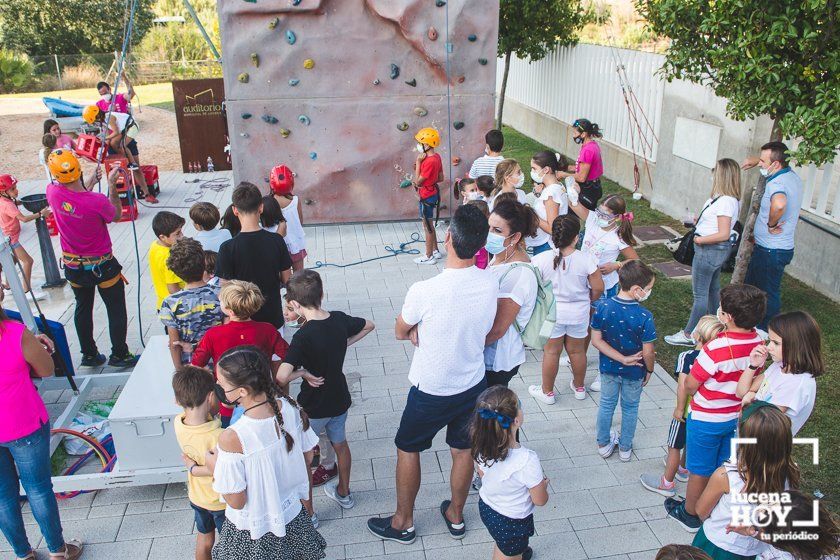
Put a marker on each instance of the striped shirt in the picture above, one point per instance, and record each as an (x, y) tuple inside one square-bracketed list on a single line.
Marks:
[(718, 368), (485, 165)]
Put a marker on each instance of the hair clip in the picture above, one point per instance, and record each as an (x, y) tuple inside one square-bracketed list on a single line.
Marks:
[(627, 216), (487, 414)]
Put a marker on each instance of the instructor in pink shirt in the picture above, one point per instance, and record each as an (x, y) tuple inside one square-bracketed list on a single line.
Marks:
[(589, 167)]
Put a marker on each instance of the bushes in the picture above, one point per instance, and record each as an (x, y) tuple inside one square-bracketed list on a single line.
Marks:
[(15, 71), (85, 75)]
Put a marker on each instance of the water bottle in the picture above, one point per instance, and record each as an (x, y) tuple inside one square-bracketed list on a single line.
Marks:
[(210, 166)]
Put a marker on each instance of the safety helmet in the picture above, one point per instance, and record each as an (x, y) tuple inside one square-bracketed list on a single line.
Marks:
[(90, 113), (7, 182), (64, 166), (282, 180), (428, 136)]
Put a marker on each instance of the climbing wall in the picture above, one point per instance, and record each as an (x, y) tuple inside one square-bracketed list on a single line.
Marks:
[(336, 89)]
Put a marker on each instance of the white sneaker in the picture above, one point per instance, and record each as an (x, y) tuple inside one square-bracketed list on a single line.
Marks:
[(596, 385), (679, 339), (537, 392), (439, 254), (607, 450), (625, 456), (425, 260), (579, 392), (564, 361), (346, 502)]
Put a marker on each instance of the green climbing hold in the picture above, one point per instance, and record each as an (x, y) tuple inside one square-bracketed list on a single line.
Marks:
[(290, 37), (243, 77), (270, 119), (304, 120), (482, 61), (395, 71), (405, 183), (458, 125), (296, 2), (255, 59), (472, 38), (251, 1), (284, 132), (246, 116), (403, 126), (412, 82), (438, 3), (293, 82), (420, 111), (274, 23)]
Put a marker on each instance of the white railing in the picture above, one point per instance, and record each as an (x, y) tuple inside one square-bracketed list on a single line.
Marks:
[(821, 185), (581, 81)]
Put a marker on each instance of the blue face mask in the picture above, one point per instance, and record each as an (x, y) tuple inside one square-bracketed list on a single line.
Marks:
[(495, 243)]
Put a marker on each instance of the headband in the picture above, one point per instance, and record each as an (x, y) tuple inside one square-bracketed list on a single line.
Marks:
[(487, 414), (753, 408)]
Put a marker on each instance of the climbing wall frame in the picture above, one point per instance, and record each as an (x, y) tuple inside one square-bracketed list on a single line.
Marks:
[(336, 89)]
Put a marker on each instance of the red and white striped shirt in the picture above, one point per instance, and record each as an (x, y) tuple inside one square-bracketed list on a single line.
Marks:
[(718, 368)]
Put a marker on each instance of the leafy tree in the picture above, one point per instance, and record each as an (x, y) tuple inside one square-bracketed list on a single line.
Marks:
[(40, 27), (174, 41), (777, 58), (533, 28)]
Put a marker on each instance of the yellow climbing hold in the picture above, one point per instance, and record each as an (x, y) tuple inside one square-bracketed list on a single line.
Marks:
[(243, 77), (309, 64)]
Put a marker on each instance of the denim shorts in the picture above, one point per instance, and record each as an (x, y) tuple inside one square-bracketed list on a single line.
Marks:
[(427, 207), (334, 426), (707, 445), (207, 521), (425, 415)]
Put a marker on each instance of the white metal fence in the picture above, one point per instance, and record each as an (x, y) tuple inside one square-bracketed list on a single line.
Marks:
[(821, 190), (582, 81)]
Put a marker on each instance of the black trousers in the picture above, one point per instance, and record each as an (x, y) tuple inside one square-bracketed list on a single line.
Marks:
[(500, 377), (85, 283)]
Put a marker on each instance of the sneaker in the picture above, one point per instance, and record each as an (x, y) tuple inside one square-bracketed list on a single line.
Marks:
[(315, 522), (151, 199), (625, 456), (381, 527), (456, 530), (528, 554), (346, 502), (658, 484), (129, 360), (322, 475), (93, 360), (476, 483), (682, 472), (690, 523), (425, 260), (439, 254), (537, 393), (671, 503), (679, 339), (578, 392), (595, 386), (607, 450)]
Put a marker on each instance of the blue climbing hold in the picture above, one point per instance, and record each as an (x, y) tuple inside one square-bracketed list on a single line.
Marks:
[(440, 3), (458, 125), (270, 119), (472, 38), (482, 61), (290, 37), (313, 156), (246, 116), (304, 120), (296, 2), (293, 82), (395, 71), (405, 183)]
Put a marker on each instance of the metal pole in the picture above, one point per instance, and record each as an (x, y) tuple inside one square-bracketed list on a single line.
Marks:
[(203, 31), (7, 260), (58, 72)]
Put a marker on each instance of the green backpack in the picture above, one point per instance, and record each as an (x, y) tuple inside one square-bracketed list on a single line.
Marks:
[(536, 333)]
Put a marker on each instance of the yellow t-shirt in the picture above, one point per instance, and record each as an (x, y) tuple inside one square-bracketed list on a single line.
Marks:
[(161, 276), (195, 442)]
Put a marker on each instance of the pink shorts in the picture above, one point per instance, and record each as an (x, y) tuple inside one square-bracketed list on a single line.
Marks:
[(298, 257)]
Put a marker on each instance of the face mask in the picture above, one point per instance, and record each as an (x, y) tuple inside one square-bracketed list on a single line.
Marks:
[(221, 396), (486, 150), (578, 139), (764, 172), (420, 148), (474, 195), (107, 97), (720, 315), (495, 243), (604, 223), (536, 177), (520, 181), (645, 296)]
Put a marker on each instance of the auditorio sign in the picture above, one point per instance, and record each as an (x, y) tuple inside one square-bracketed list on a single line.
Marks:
[(202, 126)]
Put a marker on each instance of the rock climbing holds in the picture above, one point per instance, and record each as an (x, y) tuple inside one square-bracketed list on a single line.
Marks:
[(461, 79), (274, 23), (296, 2), (482, 61), (420, 111), (472, 38), (456, 160), (284, 132), (244, 135), (293, 82), (304, 120), (251, 1), (432, 34), (376, 82), (291, 38), (403, 126), (458, 125), (440, 3), (405, 183), (395, 71), (255, 59), (412, 82), (243, 77), (246, 116), (270, 119), (309, 64), (313, 156)]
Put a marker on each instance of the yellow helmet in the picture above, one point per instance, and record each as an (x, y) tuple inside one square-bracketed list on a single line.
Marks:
[(428, 136), (90, 113), (64, 166)]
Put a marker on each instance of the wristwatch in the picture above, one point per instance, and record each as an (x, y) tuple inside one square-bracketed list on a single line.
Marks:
[(752, 367)]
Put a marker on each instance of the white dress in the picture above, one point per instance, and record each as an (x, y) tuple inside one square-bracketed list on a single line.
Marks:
[(295, 237)]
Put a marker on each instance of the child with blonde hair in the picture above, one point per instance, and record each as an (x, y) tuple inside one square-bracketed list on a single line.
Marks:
[(509, 178), (707, 329)]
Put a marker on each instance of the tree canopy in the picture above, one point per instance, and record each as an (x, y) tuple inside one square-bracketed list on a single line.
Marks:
[(533, 28)]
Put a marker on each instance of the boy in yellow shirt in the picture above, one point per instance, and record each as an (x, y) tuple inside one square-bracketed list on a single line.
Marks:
[(167, 227), (198, 431)]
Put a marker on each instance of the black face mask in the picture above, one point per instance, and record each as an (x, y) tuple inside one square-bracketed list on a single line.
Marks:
[(221, 395), (578, 139)]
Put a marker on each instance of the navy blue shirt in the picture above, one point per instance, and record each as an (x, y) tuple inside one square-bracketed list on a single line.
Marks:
[(626, 326)]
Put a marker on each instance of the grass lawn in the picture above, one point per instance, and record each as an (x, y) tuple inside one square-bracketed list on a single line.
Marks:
[(152, 95), (671, 303)]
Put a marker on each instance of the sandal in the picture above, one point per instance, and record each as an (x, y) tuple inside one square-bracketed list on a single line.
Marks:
[(72, 550)]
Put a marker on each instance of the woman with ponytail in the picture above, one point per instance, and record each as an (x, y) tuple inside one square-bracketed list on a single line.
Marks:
[(260, 467), (589, 168)]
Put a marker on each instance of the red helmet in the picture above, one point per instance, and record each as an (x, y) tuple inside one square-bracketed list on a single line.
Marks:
[(7, 182), (282, 180)]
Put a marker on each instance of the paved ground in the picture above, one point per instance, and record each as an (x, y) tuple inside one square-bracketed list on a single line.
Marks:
[(597, 508)]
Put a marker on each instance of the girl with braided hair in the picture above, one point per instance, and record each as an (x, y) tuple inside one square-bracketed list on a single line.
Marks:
[(260, 467)]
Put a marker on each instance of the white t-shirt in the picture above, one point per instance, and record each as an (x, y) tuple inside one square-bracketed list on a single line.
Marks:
[(520, 286), (521, 197), (295, 236), (605, 246), (723, 206), (453, 312), (211, 240), (796, 391), (485, 165), (570, 283), (505, 485), (557, 193)]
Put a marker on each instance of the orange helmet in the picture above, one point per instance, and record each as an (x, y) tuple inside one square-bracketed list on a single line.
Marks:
[(282, 180), (90, 114), (7, 182), (64, 166), (428, 136)]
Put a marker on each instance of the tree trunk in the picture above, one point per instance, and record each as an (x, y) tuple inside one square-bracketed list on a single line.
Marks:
[(502, 91), (745, 250)]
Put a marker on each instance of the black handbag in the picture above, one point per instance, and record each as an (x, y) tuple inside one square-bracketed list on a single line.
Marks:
[(683, 247)]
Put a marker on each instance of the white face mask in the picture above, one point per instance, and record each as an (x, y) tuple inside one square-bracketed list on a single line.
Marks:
[(520, 181), (646, 294), (475, 195), (106, 97), (419, 148), (536, 177), (764, 172)]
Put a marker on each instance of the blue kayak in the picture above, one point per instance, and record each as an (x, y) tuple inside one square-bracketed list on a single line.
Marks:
[(61, 108)]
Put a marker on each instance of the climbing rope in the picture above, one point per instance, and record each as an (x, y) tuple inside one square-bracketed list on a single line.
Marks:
[(448, 49), (401, 250)]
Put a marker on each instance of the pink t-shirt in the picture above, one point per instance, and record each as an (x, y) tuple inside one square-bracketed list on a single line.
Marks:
[(82, 219), (591, 153), (120, 104), (27, 412), (64, 141), (9, 222)]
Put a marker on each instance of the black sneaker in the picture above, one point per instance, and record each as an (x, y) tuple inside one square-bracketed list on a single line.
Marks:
[(93, 360), (129, 360), (381, 527), (456, 530), (672, 502), (690, 523), (528, 554)]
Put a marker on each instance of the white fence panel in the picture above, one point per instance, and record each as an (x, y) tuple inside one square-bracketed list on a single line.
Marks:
[(582, 81), (821, 190)]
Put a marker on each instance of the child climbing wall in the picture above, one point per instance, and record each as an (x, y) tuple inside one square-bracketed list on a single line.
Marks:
[(340, 105)]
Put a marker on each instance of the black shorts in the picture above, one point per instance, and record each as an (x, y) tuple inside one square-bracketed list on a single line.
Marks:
[(425, 415), (500, 377), (131, 148), (511, 535), (207, 521), (676, 434)]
